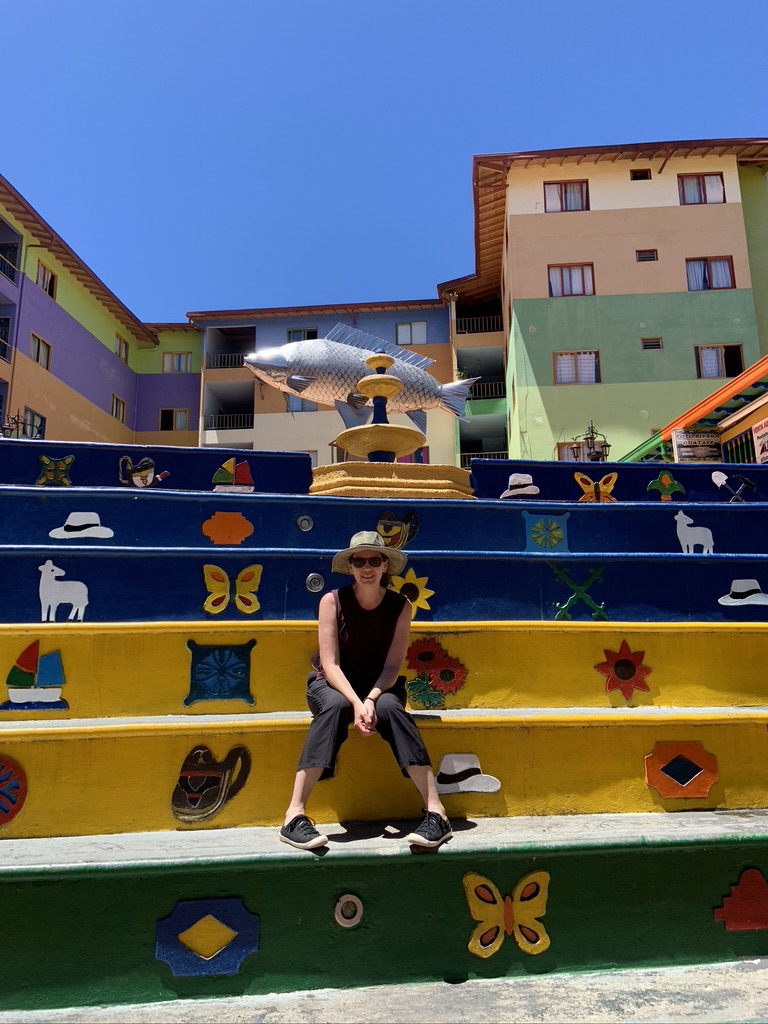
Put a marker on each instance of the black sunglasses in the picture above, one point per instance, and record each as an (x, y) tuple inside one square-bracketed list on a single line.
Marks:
[(374, 561)]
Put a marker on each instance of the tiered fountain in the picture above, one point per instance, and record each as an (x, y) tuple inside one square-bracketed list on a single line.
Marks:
[(378, 445)]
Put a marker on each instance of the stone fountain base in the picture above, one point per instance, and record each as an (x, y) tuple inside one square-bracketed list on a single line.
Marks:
[(390, 480)]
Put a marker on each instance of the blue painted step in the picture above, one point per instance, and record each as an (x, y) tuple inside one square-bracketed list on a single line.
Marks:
[(138, 467), (119, 518), (554, 481), (135, 584)]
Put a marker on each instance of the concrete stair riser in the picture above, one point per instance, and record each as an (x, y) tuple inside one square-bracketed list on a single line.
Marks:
[(157, 519), (556, 481), (86, 777), (83, 464), (86, 937), (137, 669), (142, 585)]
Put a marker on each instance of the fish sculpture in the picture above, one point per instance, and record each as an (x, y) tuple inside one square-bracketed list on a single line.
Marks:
[(326, 370)]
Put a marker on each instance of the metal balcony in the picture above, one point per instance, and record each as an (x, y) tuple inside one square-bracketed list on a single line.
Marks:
[(7, 269), (478, 324), (467, 458), (488, 389), (224, 360), (229, 421)]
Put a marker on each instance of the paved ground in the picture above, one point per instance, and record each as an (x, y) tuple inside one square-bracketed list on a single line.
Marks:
[(736, 993), (220, 846)]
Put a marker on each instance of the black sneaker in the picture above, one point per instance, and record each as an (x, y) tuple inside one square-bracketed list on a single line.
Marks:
[(431, 832), (301, 833)]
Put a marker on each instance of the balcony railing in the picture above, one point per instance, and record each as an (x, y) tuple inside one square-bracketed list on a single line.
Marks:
[(467, 458), (478, 324), (5, 351), (488, 389), (7, 269), (224, 360), (229, 421)]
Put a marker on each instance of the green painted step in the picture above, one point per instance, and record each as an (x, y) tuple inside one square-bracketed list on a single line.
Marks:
[(96, 919)]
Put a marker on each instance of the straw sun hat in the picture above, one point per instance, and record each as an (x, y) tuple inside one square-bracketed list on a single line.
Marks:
[(368, 540)]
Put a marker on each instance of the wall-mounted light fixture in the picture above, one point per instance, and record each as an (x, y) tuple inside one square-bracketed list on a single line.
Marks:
[(591, 443)]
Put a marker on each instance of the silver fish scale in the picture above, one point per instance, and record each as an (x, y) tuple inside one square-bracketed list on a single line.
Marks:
[(337, 368)]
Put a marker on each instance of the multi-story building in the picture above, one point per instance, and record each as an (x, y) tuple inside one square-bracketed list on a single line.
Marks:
[(614, 284), (629, 281), (75, 363), (240, 412)]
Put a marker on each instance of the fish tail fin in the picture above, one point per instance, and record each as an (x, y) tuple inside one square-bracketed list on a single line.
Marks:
[(454, 395)]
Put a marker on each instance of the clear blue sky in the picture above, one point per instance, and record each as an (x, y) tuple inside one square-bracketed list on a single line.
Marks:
[(211, 154)]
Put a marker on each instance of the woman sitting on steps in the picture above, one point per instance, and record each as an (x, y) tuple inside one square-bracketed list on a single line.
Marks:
[(363, 637)]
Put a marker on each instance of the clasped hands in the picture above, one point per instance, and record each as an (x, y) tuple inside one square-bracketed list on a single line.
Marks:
[(365, 718)]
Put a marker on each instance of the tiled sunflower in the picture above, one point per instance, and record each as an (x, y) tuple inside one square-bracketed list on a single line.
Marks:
[(414, 588)]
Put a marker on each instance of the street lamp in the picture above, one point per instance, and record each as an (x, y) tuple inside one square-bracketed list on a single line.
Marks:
[(596, 444)]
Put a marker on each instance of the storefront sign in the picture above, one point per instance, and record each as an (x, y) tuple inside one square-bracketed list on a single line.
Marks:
[(696, 445), (760, 437)]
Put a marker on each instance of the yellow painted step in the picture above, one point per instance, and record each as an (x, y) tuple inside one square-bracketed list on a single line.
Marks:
[(198, 668), (85, 777)]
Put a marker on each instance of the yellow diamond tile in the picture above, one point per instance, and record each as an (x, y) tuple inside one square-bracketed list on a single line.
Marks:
[(207, 937)]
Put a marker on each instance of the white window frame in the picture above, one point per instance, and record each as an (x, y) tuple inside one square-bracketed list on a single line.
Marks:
[(412, 333)]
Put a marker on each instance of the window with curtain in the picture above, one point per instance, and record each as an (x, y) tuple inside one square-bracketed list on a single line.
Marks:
[(696, 189), (577, 367), (564, 196), (46, 279), (177, 362), (719, 361), (121, 348), (34, 423), (40, 351), (174, 419), (118, 408), (301, 333), (571, 279), (709, 272)]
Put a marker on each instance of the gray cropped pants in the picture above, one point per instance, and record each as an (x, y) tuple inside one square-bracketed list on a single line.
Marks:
[(332, 716)]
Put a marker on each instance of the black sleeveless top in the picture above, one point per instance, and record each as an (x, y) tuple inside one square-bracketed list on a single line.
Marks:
[(365, 636)]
